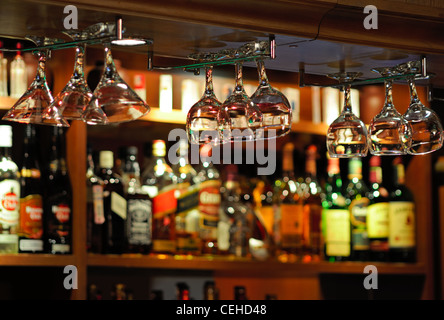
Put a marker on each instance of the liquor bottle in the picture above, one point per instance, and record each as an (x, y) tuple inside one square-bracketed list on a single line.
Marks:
[(95, 209), (209, 202), (119, 292), (233, 206), (94, 293), (377, 213), (182, 291), (357, 201), (312, 212), (139, 206), (31, 201), (210, 291), (290, 211), (156, 295), (402, 218), (19, 77), (3, 73), (335, 216), (159, 182), (240, 293), (58, 199), (114, 204), (187, 211), (9, 194)]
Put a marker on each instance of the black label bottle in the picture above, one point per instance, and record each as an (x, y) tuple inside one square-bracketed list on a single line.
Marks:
[(9, 194), (95, 209), (139, 206), (356, 197), (114, 204), (402, 218), (58, 199), (31, 201), (377, 213), (335, 217)]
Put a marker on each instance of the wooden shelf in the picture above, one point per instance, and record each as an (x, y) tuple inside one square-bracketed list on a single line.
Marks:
[(36, 260), (243, 267)]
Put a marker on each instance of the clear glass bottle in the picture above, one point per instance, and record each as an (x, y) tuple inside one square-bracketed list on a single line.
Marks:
[(19, 76), (9, 194), (159, 182)]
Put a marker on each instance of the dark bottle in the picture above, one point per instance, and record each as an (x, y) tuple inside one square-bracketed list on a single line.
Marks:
[(95, 210), (240, 293), (377, 213), (94, 293), (31, 202), (402, 218), (210, 291), (119, 292), (139, 206), (156, 295), (356, 198), (335, 217), (58, 199), (114, 205), (182, 291)]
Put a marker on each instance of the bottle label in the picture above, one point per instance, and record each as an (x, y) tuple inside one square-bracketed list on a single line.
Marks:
[(99, 213), (164, 203), (358, 216), (377, 220), (187, 219), (60, 248), (31, 245), (9, 202), (337, 232), (139, 221), (150, 190), (31, 213), (266, 215), (311, 233), (291, 225), (209, 203), (164, 209), (402, 224), (118, 205), (62, 212), (223, 235), (30, 173)]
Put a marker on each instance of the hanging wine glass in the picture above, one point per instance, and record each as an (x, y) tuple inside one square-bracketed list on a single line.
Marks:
[(389, 132), (76, 94), (113, 99), (275, 108), (427, 131), (33, 105), (245, 117), (347, 135), (206, 120)]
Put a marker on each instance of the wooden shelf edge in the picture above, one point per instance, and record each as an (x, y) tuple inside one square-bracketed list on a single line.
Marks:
[(245, 267), (36, 260)]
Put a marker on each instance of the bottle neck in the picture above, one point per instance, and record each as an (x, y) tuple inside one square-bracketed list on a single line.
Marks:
[(355, 170), (5, 152), (310, 166), (287, 162), (375, 175), (399, 174)]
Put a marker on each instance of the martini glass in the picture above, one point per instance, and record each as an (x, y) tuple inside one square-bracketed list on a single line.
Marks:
[(427, 131), (389, 132), (33, 105), (113, 99), (347, 135)]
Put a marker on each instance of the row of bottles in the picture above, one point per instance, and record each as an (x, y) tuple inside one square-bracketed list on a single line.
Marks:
[(121, 291), (35, 209), (18, 74), (180, 209)]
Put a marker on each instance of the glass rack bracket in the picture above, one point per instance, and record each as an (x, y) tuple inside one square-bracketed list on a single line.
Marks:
[(412, 69)]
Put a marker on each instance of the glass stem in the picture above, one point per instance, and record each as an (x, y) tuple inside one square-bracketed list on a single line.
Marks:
[(262, 74), (209, 81), (78, 66), (239, 87), (110, 69), (347, 99), (413, 94), (41, 75), (388, 94)]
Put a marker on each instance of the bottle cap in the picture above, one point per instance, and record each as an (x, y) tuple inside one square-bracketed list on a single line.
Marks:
[(375, 161), (106, 159), (5, 136)]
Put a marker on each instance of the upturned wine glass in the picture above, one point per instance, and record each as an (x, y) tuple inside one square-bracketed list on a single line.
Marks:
[(389, 132), (33, 105), (113, 101), (245, 117), (427, 131), (347, 134), (275, 108), (76, 94), (207, 120)]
